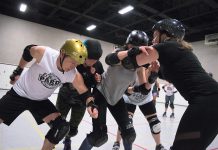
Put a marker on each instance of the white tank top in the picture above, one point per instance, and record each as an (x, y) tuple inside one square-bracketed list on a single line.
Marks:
[(41, 79), (137, 98)]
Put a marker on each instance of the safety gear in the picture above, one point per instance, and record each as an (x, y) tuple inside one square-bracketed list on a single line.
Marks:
[(137, 38), (92, 105), (116, 146), (26, 53), (141, 89), (59, 129), (129, 63), (98, 138), (170, 26), (16, 72), (67, 144), (164, 114), (171, 105), (160, 147), (172, 115), (128, 135), (84, 96), (75, 49), (152, 77), (73, 132), (154, 124), (133, 52), (112, 59), (93, 48)]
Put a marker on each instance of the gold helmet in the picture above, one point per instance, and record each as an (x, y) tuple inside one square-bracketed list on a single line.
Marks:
[(75, 49)]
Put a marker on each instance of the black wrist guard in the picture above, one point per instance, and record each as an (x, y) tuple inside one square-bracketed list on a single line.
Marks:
[(134, 51), (26, 53), (153, 77), (92, 105), (85, 96), (16, 72), (127, 93), (141, 89), (146, 66)]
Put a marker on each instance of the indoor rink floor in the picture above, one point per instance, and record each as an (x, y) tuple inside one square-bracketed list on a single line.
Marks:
[(25, 134)]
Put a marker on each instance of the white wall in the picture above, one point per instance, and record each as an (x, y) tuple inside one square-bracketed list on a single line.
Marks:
[(15, 34), (208, 56)]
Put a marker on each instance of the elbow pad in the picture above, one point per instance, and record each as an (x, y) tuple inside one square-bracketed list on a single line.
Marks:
[(26, 53), (141, 89), (112, 59)]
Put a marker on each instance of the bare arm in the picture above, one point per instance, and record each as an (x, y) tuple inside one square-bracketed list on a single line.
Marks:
[(29, 52), (148, 55)]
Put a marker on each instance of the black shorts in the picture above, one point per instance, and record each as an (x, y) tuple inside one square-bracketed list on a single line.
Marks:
[(12, 105)]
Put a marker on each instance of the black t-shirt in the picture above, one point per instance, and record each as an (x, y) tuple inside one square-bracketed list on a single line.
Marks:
[(67, 90), (181, 67), (88, 76)]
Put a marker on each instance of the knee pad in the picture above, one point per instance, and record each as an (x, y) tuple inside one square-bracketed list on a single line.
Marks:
[(59, 129), (172, 105), (98, 138), (73, 131), (128, 135), (154, 124), (130, 118), (166, 105)]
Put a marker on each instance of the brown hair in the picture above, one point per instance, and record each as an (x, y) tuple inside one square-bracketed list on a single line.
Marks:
[(185, 45)]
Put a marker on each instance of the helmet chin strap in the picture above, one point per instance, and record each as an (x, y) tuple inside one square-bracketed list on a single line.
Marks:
[(61, 63)]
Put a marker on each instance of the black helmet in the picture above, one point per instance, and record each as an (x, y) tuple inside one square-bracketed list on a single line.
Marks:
[(93, 48), (137, 38), (171, 26)]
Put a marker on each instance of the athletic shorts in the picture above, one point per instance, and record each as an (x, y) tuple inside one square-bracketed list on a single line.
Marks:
[(12, 105)]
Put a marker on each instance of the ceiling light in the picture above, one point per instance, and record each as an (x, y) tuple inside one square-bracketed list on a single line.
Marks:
[(23, 7), (126, 9), (91, 27)]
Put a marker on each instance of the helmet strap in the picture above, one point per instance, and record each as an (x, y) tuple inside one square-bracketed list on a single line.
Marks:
[(61, 62)]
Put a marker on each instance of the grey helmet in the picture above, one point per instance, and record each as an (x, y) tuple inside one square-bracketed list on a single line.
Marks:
[(172, 27), (137, 38)]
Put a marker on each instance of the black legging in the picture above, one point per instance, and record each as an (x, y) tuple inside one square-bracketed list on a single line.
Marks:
[(199, 125), (120, 114), (118, 111)]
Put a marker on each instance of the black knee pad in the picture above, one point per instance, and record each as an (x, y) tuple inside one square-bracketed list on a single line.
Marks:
[(172, 105), (154, 124), (166, 105), (128, 135), (98, 138), (73, 131), (59, 129)]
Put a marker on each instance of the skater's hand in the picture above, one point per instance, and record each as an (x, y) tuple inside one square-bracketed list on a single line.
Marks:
[(92, 109)]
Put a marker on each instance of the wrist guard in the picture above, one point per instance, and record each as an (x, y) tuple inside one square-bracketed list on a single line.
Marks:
[(85, 96), (92, 105), (141, 89), (127, 93), (153, 77), (16, 72), (134, 51)]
